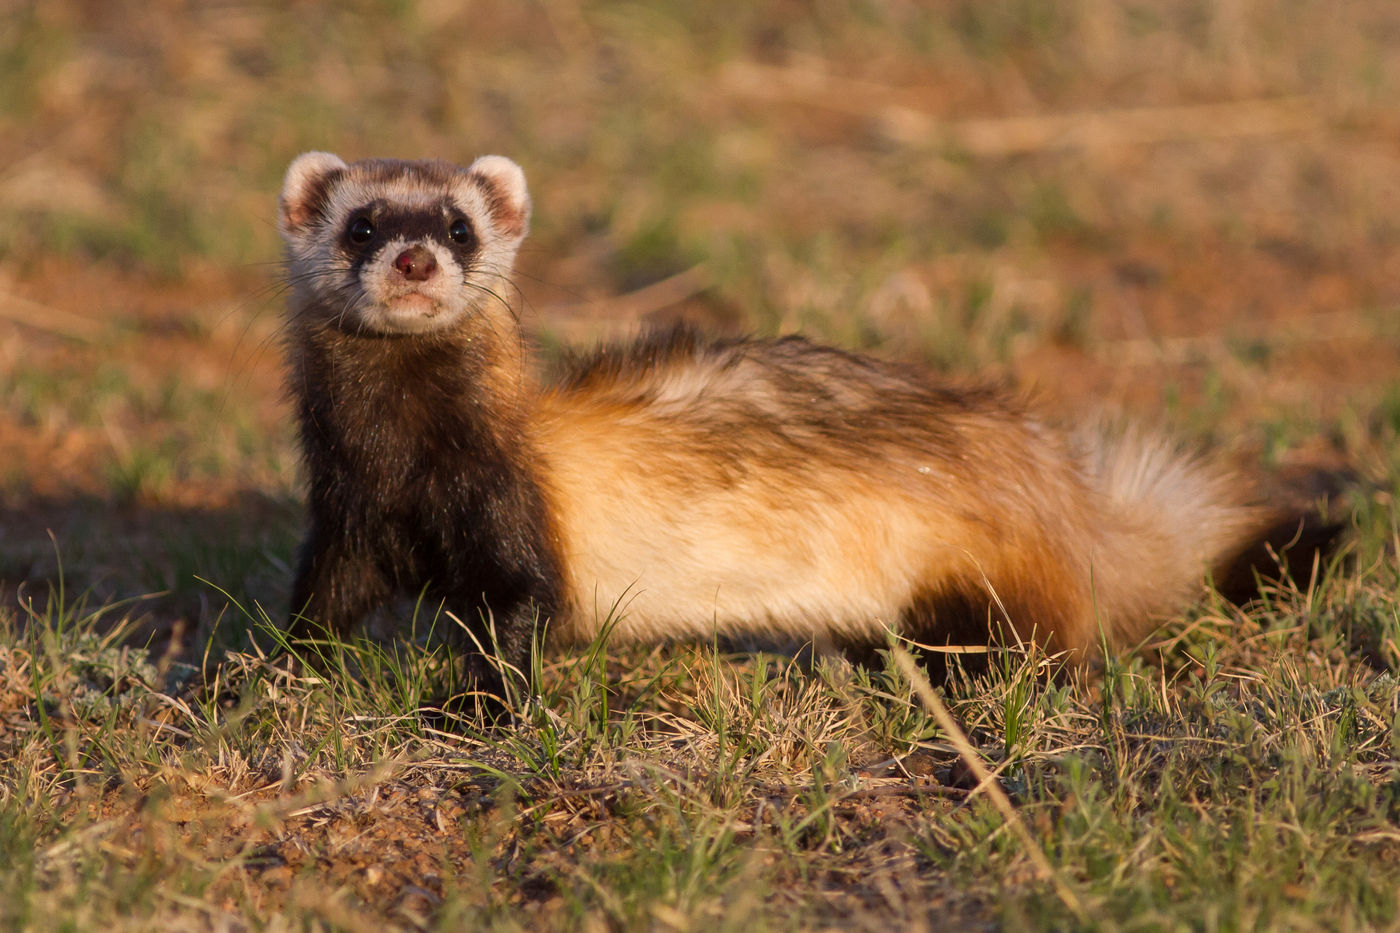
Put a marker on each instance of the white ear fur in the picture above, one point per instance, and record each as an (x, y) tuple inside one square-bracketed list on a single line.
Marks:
[(506, 193), (302, 188)]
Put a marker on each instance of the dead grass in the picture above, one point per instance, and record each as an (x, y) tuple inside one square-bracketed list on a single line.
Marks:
[(1185, 211)]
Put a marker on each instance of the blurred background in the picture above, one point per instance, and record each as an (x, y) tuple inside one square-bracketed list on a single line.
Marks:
[(1187, 210)]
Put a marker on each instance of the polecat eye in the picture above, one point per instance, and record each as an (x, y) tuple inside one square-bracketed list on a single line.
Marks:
[(460, 232), (361, 231)]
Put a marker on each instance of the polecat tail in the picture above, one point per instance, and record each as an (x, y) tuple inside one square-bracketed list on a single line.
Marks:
[(1174, 518)]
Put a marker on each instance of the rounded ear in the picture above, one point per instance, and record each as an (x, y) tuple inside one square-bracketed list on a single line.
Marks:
[(304, 190), (503, 183)]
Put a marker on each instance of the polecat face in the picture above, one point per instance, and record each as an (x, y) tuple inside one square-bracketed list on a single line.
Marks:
[(390, 247)]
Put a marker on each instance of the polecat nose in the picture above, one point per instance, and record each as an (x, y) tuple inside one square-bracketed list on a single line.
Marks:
[(416, 263)]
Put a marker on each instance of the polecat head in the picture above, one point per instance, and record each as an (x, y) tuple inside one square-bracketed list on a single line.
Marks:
[(391, 247)]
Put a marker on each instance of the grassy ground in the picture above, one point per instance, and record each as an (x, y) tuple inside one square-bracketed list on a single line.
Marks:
[(1185, 211)]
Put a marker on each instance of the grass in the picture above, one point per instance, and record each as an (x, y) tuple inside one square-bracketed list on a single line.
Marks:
[(1043, 193), (1229, 783)]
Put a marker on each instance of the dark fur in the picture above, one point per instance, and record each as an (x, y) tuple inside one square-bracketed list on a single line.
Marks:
[(416, 482)]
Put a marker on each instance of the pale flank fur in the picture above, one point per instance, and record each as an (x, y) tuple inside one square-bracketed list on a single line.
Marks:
[(1077, 546)]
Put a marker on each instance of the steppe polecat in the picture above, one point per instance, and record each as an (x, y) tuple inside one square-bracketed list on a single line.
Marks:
[(686, 487)]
